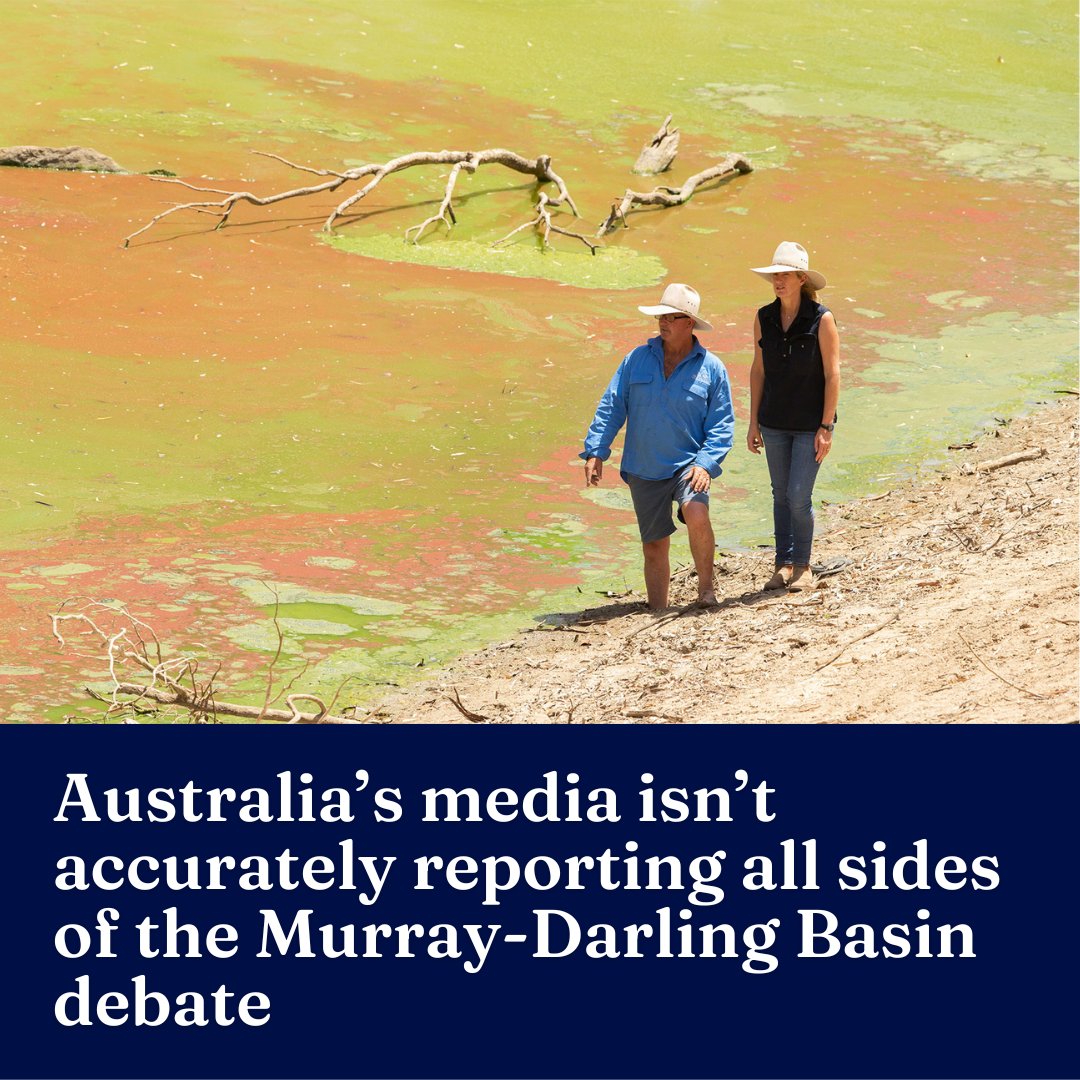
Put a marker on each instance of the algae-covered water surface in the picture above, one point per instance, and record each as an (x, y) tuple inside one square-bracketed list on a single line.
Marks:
[(377, 440)]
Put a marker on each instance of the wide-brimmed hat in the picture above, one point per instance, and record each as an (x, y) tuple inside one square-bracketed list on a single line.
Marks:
[(791, 256), (679, 300)]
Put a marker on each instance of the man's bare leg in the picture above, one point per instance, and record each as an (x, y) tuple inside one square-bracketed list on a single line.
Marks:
[(657, 572), (702, 547)]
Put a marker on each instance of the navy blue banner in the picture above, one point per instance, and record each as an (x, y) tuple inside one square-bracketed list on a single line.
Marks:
[(444, 902)]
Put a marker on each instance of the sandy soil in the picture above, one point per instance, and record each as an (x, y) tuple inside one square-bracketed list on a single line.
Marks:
[(953, 600)]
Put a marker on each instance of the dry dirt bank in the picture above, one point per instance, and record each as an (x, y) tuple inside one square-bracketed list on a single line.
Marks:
[(957, 603)]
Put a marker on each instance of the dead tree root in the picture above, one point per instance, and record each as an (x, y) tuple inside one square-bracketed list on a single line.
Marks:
[(374, 173)]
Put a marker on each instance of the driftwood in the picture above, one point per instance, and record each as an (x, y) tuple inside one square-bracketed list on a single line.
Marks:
[(1010, 459), (70, 158), (657, 156), (459, 160), (543, 224), (190, 701), (670, 196), (172, 681)]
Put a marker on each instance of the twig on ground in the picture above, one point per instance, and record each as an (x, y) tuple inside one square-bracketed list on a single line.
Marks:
[(1023, 514), (639, 714), (963, 541), (1041, 697), (476, 718), (862, 637)]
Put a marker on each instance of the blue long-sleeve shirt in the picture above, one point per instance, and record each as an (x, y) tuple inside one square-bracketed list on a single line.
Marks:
[(671, 423)]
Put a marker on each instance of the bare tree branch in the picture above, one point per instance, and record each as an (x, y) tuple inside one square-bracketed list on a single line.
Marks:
[(300, 168), (446, 211), (277, 652), (669, 196), (374, 173), (291, 715), (175, 681), (542, 222)]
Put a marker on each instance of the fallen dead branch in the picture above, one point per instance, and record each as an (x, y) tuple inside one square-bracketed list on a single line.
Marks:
[(1010, 459), (657, 155), (374, 173), (543, 224), (192, 702), (168, 681), (731, 165)]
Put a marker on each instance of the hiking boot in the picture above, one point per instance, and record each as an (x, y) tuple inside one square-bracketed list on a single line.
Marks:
[(802, 577), (780, 580)]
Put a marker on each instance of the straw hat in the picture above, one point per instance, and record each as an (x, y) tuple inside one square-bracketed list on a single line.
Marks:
[(791, 256), (679, 300)]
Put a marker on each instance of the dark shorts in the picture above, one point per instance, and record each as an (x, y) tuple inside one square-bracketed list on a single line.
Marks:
[(653, 499)]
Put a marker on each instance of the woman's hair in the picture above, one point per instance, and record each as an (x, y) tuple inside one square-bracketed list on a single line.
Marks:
[(807, 289)]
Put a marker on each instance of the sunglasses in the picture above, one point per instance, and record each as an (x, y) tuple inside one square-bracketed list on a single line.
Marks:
[(671, 318)]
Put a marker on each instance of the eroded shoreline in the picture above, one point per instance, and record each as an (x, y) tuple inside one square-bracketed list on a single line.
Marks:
[(954, 601)]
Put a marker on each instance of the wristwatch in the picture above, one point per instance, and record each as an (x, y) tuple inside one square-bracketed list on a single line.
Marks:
[(827, 427)]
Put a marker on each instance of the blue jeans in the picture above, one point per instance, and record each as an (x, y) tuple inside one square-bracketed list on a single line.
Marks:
[(792, 470)]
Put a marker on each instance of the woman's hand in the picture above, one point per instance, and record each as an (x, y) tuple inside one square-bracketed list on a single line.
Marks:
[(822, 444), (753, 439), (594, 470)]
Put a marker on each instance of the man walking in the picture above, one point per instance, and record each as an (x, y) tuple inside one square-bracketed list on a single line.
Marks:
[(675, 399)]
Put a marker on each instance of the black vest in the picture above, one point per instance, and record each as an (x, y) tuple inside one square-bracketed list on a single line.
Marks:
[(793, 396)]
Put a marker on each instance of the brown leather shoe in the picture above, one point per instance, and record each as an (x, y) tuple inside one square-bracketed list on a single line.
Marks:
[(780, 580), (802, 577)]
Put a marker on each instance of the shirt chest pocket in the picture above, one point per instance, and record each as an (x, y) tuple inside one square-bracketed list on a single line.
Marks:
[(641, 390), (696, 394), (800, 348)]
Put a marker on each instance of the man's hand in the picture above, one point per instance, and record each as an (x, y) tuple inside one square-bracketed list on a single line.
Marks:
[(594, 470), (699, 479)]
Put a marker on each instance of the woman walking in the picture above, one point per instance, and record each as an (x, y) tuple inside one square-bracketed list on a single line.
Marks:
[(794, 389)]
